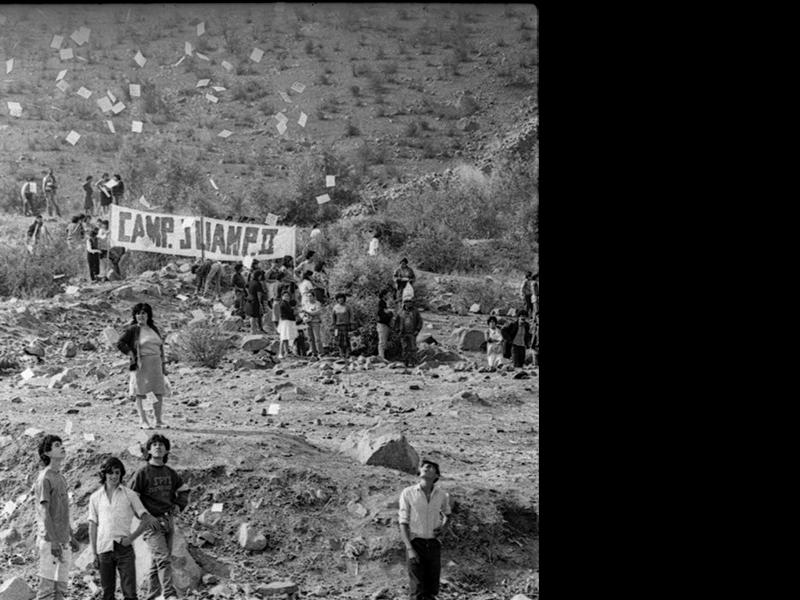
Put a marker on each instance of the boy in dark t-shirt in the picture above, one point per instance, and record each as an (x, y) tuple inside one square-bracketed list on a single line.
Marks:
[(163, 494)]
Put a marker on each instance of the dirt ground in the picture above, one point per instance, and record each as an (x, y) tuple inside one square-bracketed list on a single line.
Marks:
[(331, 522)]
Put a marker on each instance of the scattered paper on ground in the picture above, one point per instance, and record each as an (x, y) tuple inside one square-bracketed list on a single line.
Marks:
[(136, 90), (256, 55), (281, 127), (111, 126), (285, 97), (63, 85), (72, 138), (302, 120), (298, 87), (330, 180), (104, 104), (136, 126), (65, 53), (201, 28), (9, 65), (84, 93), (118, 108), (56, 43), (187, 48), (14, 109), (211, 98), (323, 199), (110, 95), (202, 83), (61, 75), (140, 59), (201, 56), (227, 66), (224, 133)]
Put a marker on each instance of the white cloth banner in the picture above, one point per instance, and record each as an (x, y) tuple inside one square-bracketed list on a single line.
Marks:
[(224, 240)]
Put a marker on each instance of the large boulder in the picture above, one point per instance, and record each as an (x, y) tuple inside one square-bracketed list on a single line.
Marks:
[(254, 342), (186, 574), (382, 446), (471, 339), (438, 354), (16, 589)]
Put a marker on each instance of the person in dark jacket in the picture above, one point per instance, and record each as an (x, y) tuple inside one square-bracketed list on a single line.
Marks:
[(385, 315), (254, 301), (408, 323), (88, 197), (518, 338), (143, 343), (239, 286), (118, 191)]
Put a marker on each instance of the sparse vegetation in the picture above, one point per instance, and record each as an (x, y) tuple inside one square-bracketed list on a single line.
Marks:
[(203, 345)]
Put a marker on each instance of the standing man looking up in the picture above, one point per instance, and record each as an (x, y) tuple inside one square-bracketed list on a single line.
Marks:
[(49, 187), (54, 538), (424, 515)]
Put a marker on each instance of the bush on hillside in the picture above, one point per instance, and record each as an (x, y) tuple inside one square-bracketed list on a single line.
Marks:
[(362, 277), (205, 345), (25, 275)]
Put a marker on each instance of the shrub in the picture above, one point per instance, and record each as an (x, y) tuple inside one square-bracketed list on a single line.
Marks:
[(352, 130), (26, 275), (362, 277), (204, 345), (355, 90)]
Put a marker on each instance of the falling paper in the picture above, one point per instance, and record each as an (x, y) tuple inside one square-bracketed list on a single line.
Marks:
[(285, 97), (188, 222), (111, 126), (136, 90), (144, 202), (14, 109), (201, 28), (201, 56), (187, 48), (104, 104), (323, 199), (273, 409), (180, 61), (63, 85), (136, 126), (85, 32), (302, 120), (216, 507), (56, 43), (227, 66), (282, 118), (61, 74), (89, 437), (218, 88), (111, 96), (9, 65), (84, 93), (256, 55), (140, 59), (27, 373), (181, 297), (77, 37), (203, 83), (271, 220), (118, 108), (214, 185), (65, 53), (111, 183), (330, 180), (281, 127), (72, 138), (224, 133), (33, 187), (68, 427), (298, 87), (211, 98)]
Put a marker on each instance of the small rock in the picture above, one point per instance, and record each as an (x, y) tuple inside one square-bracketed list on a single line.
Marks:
[(209, 579), (16, 589), (69, 350), (522, 375), (249, 539), (276, 588), (9, 536), (475, 308), (209, 518)]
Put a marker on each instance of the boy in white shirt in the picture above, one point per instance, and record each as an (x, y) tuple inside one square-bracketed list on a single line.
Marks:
[(111, 511)]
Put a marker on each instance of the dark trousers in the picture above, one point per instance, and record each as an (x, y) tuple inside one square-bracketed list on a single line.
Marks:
[(423, 575), (408, 343), (529, 304), (121, 559), (518, 354), (94, 265)]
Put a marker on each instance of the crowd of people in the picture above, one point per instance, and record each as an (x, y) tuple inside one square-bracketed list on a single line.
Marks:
[(97, 197)]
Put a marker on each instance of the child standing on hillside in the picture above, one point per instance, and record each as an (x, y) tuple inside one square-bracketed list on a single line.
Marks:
[(408, 323), (88, 193), (342, 322), (54, 537), (287, 326), (494, 344)]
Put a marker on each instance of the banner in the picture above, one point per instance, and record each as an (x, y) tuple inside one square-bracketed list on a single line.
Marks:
[(182, 236)]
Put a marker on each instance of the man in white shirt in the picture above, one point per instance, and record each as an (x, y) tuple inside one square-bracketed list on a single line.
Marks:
[(424, 515), (28, 195), (111, 511)]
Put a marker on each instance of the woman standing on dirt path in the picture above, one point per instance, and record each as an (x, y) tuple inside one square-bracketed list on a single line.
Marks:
[(143, 342)]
